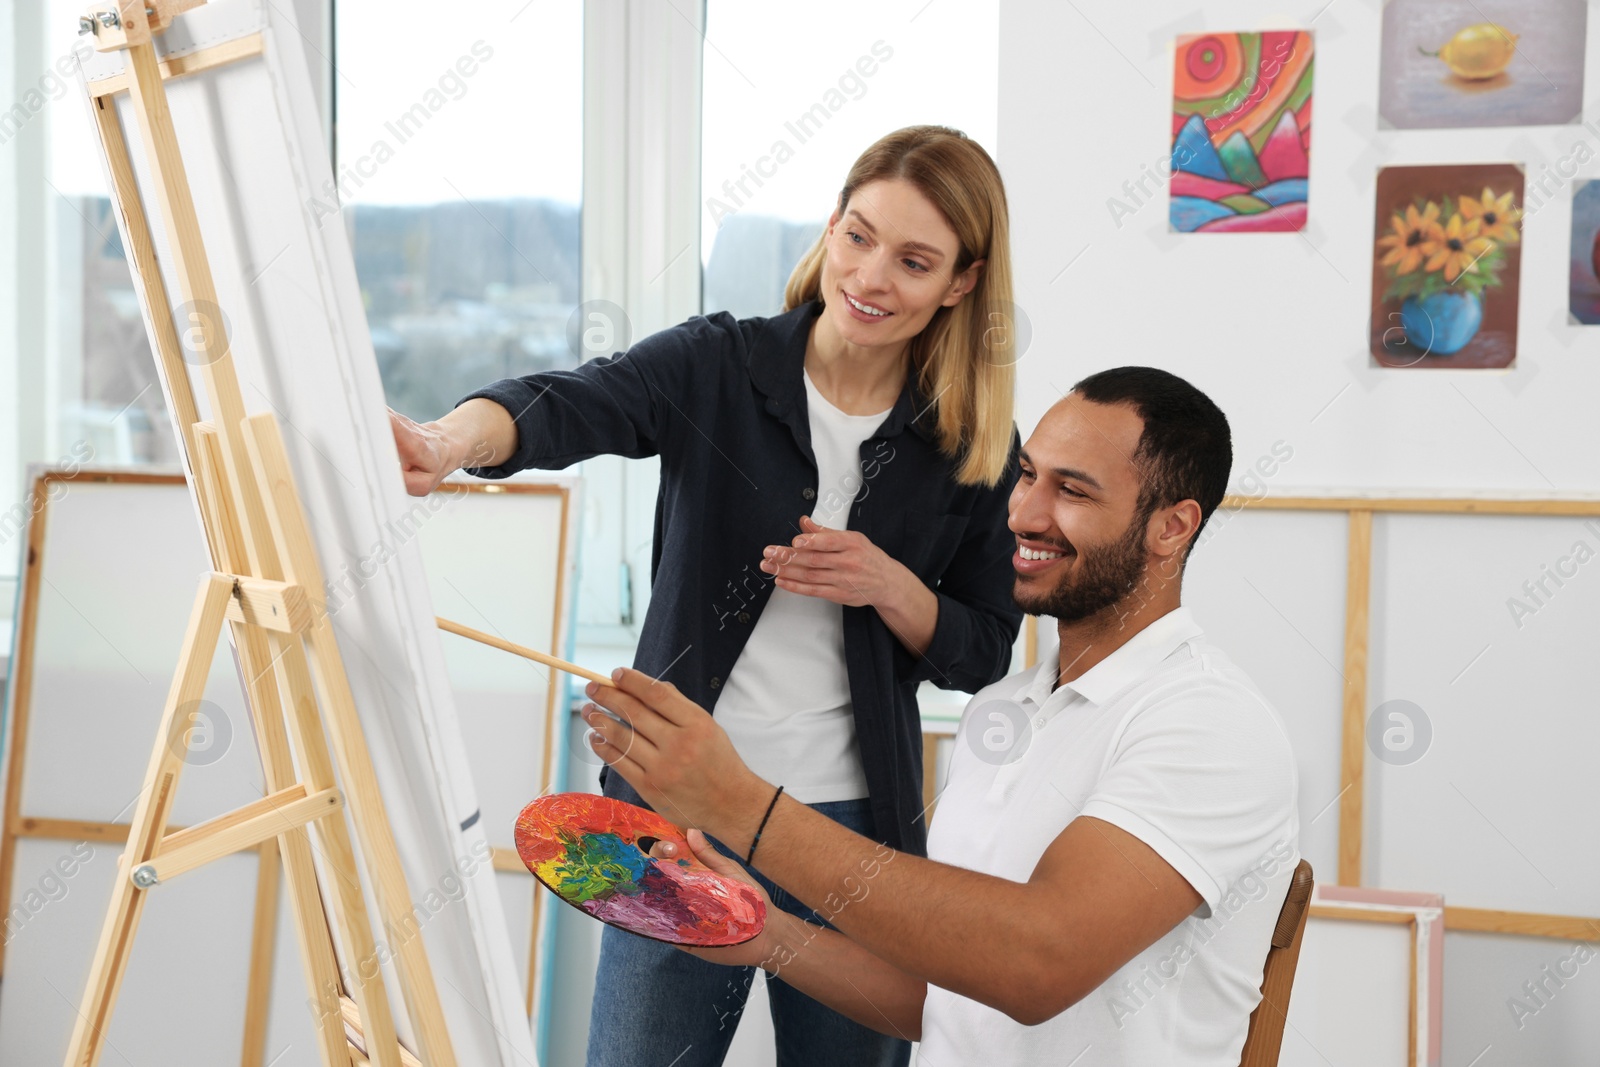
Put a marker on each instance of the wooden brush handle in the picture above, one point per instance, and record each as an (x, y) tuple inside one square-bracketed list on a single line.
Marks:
[(518, 650)]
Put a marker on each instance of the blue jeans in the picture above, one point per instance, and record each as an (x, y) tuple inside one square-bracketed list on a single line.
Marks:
[(655, 1006)]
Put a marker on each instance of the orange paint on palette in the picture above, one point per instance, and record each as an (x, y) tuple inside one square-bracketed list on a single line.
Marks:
[(593, 853)]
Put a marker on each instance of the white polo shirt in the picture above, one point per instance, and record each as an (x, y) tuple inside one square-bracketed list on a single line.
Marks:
[(1169, 741)]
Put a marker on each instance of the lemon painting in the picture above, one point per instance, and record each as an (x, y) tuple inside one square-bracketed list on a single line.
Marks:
[(1462, 63)]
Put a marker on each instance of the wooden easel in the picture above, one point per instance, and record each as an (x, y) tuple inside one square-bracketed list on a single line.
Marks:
[(267, 586)]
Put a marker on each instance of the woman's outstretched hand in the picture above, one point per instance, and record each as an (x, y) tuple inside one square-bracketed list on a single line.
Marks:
[(478, 433), (424, 449)]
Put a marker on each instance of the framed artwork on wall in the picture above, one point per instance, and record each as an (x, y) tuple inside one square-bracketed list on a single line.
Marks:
[(1452, 63), (1583, 295), (1447, 266), (1241, 132)]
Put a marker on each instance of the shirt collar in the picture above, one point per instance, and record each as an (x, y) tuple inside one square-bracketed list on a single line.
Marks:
[(1133, 662), (777, 369)]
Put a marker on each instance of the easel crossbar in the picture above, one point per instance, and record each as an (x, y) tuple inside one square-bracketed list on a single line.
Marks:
[(190, 63), (246, 827)]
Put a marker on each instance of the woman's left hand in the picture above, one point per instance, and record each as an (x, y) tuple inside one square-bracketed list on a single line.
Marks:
[(838, 565)]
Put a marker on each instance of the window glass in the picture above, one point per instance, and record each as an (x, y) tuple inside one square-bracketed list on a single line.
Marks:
[(794, 95), (103, 396), (459, 175)]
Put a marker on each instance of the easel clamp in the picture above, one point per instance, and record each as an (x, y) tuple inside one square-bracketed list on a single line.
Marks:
[(280, 606), (120, 25)]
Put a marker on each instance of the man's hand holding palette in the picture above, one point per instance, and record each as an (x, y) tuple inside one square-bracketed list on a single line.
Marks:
[(595, 853)]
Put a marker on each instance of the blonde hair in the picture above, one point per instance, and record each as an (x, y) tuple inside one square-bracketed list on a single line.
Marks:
[(964, 358)]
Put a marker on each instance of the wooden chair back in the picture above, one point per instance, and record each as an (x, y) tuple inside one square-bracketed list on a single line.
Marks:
[(1265, 1037)]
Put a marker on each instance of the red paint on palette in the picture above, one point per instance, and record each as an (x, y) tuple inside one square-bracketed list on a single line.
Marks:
[(587, 850)]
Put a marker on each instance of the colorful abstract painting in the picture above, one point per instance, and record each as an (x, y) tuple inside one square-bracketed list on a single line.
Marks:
[(1454, 63), (593, 853), (1447, 266), (1241, 132), (1583, 297)]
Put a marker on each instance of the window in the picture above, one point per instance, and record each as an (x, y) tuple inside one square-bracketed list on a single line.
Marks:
[(459, 175), (77, 382), (103, 396), (792, 99)]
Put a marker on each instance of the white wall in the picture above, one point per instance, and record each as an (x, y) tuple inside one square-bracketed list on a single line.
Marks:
[(1273, 326)]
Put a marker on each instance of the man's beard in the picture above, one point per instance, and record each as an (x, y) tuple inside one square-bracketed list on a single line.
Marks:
[(1106, 574)]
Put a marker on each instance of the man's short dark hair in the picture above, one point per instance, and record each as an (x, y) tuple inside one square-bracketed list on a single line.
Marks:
[(1185, 451)]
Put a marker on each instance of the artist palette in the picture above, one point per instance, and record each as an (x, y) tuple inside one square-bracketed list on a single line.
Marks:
[(594, 853)]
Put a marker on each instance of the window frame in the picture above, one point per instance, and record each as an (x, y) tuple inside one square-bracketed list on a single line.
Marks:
[(640, 229)]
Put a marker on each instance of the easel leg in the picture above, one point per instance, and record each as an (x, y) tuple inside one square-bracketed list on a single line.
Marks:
[(344, 888), (149, 819), (258, 991), (305, 899), (259, 658)]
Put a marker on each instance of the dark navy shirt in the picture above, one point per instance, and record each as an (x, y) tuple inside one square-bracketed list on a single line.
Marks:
[(722, 401)]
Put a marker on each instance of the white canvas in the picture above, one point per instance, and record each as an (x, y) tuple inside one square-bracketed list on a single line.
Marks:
[(1492, 814), (502, 562), (1351, 1005)]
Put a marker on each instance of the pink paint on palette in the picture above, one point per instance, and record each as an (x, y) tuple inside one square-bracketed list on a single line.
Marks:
[(593, 853)]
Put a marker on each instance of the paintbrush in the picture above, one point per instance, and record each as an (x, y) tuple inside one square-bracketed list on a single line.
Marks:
[(519, 650)]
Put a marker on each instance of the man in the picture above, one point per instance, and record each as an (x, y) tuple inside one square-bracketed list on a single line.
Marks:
[(1119, 829)]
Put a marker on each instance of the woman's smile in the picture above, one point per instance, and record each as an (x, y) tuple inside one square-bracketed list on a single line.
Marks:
[(865, 310)]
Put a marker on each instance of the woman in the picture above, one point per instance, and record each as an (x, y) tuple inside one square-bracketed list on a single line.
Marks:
[(830, 532)]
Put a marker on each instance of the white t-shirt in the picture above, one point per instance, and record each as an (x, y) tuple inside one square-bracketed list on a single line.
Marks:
[(786, 703), (1169, 741)]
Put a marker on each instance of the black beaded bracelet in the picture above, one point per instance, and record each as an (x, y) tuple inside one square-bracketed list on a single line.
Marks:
[(750, 858)]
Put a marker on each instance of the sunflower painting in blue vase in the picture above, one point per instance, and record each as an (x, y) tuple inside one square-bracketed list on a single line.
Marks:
[(1447, 266)]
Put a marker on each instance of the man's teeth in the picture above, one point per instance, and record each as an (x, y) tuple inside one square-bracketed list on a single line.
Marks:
[(859, 306), (1031, 553)]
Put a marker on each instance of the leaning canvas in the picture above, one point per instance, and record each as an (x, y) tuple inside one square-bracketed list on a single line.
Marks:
[(254, 148)]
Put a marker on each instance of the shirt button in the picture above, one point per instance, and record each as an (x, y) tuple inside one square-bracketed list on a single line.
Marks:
[(1039, 722), (716, 683), (809, 493), (744, 617)]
